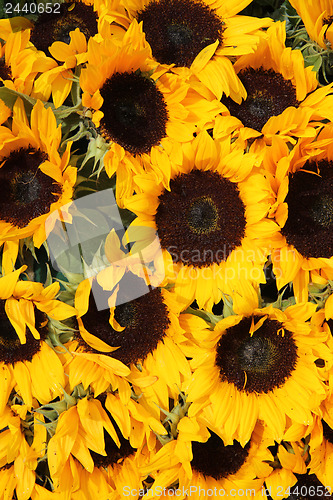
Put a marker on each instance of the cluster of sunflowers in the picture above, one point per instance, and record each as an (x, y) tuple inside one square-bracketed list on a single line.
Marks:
[(190, 352)]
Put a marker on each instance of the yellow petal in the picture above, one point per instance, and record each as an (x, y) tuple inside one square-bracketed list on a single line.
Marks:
[(23, 380), (56, 309), (82, 297), (13, 311), (204, 56), (61, 87), (95, 342), (8, 282)]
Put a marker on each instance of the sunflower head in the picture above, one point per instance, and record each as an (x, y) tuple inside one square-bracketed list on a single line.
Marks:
[(276, 84), (268, 94), (310, 209), (57, 25), (135, 112), (132, 329), (214, 459), (206, 208), (303, 210), (179, 30), (206, 219), (35, 179), (257, 360), (26, 192), (256, 355)]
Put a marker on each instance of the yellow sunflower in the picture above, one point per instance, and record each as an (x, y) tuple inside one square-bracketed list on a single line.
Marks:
[(317, 17), (55, 43), (35, 179), (65, 37), (202, 462), (302, 183), (211, 221), (132, 341), (110, 440), (19, 460), (281, 96), (27, 363), (258, 364), (143, 113), (197, 37)]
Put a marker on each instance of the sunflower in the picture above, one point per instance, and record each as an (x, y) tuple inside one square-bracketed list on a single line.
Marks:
[(200, 460), (210, 222), (303, 210), (197, 37), (317, 16), (35, 179), (19, 460), (281, 96), (143, 113), (108, 439), (28, 364), (258, 364), (55, 44), (64, 36), (58, 26), (132, 341)]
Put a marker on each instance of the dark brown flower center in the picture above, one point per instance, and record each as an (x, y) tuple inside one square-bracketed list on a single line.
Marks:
[(201, 220), (145, 319), (268, 94), (177, 30), (214, 459), (126, 314), (25, 192), (310, 210), (11, 349), (257, 363), (57, 25), (135, 113), (202, 215)]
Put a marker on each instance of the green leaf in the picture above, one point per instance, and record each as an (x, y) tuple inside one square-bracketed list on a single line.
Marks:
[(315, 61), (9, 97)]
